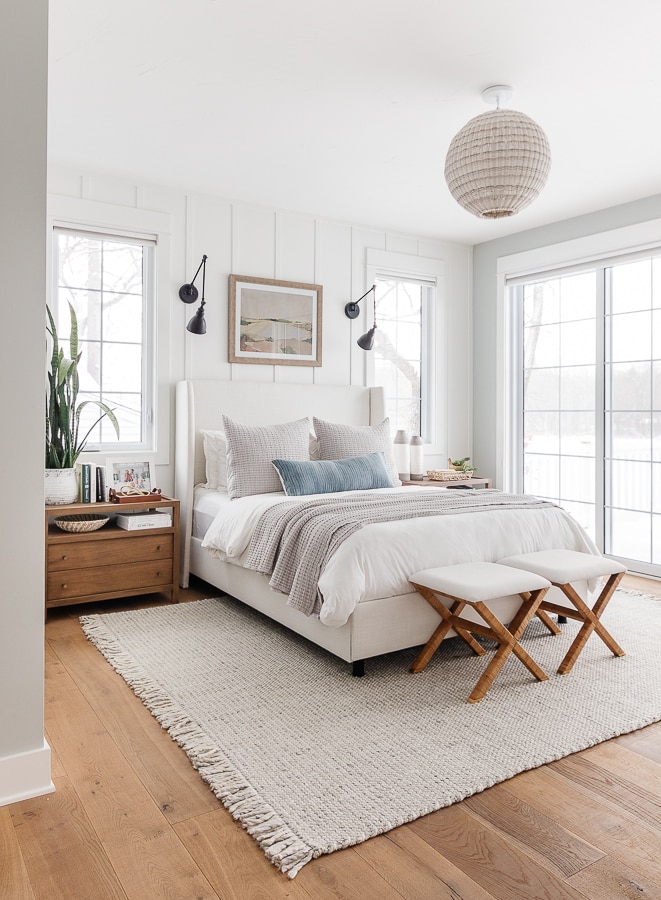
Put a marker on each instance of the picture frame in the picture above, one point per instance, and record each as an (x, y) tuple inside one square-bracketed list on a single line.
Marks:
[(274, 322), (129, 473)]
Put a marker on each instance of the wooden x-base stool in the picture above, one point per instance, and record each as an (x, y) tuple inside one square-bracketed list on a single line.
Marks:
[(481, 586), (564, 568)]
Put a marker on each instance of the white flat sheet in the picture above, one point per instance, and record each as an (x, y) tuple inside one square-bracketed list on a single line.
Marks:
[(377, 560), (206, 506)]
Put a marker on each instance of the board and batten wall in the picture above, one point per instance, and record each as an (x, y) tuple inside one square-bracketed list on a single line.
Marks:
[(247, 239)]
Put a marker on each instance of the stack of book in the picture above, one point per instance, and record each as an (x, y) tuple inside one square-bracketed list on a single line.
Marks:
[(92, 481), (148, 518)]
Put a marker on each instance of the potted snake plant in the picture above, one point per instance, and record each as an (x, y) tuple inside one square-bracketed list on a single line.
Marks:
[(64, 442)]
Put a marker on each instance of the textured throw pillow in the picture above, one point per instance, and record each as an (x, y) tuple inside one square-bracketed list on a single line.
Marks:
[(250, 449), (340, 441), (328, 476), (215, 458)]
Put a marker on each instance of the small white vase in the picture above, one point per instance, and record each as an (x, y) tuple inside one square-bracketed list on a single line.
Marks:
[(61, 486), (417, 458), (401, 453)]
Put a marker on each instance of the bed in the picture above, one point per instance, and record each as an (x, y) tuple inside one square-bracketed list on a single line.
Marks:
[(372, 624)]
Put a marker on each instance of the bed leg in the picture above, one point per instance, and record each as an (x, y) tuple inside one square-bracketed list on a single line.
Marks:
[(562, 620), (358, 668)]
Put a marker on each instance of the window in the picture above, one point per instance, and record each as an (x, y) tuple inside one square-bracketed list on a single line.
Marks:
[(108, 280), (590, 406), (401, 351)]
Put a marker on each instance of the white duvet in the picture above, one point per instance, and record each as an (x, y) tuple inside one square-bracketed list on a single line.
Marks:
[(377, 560)]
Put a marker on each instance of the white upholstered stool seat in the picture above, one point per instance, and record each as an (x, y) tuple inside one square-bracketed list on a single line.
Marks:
[(563, 568), (480, 590)]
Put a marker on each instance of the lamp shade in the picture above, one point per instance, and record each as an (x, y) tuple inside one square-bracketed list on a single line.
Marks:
[(498, 163)]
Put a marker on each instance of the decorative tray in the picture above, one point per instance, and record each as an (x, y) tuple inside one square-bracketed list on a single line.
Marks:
[(137, 497), (447, 475), (79, 524)]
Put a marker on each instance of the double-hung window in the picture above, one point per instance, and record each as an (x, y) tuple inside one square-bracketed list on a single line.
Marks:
[(109, 281)]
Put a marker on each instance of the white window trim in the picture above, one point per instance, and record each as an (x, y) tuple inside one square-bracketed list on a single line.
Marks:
[(71, 212), (593, 248), (404, 265)]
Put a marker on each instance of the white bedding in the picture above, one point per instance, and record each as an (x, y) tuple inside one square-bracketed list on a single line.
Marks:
[(377, 560)]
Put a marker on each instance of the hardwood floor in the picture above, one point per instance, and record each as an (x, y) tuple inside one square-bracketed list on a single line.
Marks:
[(132, 819)]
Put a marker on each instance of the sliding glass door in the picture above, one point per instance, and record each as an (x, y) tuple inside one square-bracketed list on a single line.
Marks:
[(590, 402)]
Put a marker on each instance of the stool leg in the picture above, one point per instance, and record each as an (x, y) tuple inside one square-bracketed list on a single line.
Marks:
[(447, 616), (509, 643), (591, 622)]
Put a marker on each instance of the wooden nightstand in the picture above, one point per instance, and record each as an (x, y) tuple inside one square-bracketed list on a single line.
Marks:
[(110, 562), (472, 482)]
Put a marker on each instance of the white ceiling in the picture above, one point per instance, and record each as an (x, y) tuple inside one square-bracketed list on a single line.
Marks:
[(345, 108)]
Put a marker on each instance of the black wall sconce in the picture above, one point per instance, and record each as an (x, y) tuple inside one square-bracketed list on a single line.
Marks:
[(352, 310), (189, 294)]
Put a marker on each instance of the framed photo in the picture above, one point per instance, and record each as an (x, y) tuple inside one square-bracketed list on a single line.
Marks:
[(274, 322), (129, 474)]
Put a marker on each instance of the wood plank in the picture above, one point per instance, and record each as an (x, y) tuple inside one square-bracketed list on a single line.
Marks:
[(627, 783), (512, 816), (344, 874), (646, 742), (164, 769), (60, 849), (417, 871), (14, 878), (147, 856), (616, 832), (610, 878), (232, 862), (496, 864)]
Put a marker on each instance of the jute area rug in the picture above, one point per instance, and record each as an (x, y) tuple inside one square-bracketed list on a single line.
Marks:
[(310, 759)]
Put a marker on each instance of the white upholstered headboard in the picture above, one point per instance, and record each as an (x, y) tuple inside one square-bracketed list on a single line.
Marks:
[(201, 405)]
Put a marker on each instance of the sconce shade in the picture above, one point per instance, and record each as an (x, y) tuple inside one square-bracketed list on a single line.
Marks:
[(498, 163), (366, 341), (198, 324)]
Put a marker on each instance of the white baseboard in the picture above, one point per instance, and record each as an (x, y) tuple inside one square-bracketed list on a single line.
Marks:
[(25, 775)]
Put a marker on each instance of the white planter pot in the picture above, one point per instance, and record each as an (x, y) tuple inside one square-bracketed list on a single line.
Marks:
[(61, 486)]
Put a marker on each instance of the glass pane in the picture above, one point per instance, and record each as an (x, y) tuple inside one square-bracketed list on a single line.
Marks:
[(629, 435), (630, 534), (578, 299), (541, 475), (631, 286), (89, 367), (656, 488), (577, 479), (631, 385), (122, 367), (541, 432), (584, 514), (122, 318), (128, 412), (577, 340), (541, 302), (577, 433), (656, 540), (122, 267), (87, 306), (542, 388), (656, 281), (542, 346), (656, 437), (631, 336), (577, 387), (631, 484), (79, 261)]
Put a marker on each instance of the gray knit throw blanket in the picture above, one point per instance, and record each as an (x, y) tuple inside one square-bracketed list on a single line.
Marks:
[(293, 540)]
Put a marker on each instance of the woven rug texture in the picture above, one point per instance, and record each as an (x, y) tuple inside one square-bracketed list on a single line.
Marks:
[(310, 759)]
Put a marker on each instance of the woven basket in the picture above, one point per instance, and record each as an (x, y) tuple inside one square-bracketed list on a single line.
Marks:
[(79, 524), (446, 475)]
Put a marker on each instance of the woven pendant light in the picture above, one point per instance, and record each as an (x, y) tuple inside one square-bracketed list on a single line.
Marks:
[(499, 162)]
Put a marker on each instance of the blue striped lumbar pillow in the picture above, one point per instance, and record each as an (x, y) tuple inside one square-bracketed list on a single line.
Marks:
[(328, 476)]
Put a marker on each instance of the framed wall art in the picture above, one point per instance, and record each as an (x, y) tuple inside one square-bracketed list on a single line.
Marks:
[(274, 322)]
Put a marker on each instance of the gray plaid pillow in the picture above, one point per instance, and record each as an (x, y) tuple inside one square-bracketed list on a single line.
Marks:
[(250, 449)]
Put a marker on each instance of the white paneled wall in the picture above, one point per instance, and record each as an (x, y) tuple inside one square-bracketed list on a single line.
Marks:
[(246, 239)]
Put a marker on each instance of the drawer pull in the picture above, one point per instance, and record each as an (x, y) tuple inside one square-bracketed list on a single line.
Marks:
[(64, 587), (158, 548)]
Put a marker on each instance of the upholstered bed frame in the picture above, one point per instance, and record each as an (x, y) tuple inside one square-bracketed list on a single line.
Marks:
[(375, 627)]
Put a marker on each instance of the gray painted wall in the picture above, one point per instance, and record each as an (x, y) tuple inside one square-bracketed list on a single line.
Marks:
[(23, 79), (485, 257)]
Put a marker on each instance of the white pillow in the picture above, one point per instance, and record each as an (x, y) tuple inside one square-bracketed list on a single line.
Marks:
[(250, 449), (341, 441), (215, 457)]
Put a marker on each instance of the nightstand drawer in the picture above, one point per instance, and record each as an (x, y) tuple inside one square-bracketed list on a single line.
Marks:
[(71, 554), (135, 577)]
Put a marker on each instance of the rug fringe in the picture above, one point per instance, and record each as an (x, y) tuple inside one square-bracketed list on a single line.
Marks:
[(282, 847)]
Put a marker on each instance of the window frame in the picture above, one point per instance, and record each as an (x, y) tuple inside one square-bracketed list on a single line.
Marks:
[(131, 222)]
